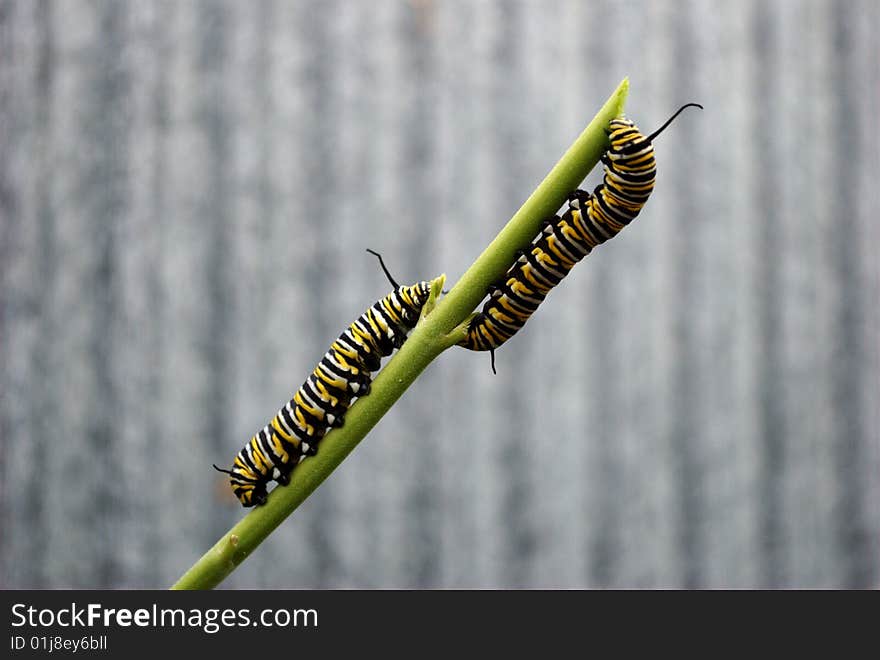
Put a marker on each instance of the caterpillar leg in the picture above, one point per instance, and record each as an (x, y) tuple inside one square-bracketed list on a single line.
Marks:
[(283, 478), (578, 198), (259, 496), (334, 416), (398, 340)]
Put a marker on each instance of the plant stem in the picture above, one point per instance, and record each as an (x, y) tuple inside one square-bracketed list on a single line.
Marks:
[(440, 329)]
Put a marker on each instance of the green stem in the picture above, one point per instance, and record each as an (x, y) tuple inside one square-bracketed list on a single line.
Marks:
[(437, 331)]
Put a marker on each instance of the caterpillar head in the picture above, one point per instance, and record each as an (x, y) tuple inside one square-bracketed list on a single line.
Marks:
[(250, 490), (252, 496)]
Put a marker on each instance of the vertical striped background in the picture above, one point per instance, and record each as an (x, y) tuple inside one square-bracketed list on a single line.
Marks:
[(186, 193)]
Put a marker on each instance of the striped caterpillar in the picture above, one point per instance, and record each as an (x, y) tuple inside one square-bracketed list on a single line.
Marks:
[(344, 373), (591, 219)]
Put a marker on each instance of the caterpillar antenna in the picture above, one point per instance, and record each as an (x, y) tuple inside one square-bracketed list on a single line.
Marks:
[(382, 263), (669, 121)]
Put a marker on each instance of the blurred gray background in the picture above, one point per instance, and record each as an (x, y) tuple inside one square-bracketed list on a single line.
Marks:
[(186, 193)]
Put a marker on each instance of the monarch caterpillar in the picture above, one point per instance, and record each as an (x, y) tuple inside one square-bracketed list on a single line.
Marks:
[(345, 372), (591, 219)]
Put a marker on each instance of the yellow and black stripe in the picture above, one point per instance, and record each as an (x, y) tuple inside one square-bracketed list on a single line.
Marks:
[(344, 373), (591, 219)]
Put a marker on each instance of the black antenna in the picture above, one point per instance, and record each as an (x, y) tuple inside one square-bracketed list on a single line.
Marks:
[(492, 353), (669, 121), (387, 274), (223, 471)]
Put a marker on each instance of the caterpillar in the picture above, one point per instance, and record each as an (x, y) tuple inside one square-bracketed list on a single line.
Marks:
[(591, 219), (344, 373)]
